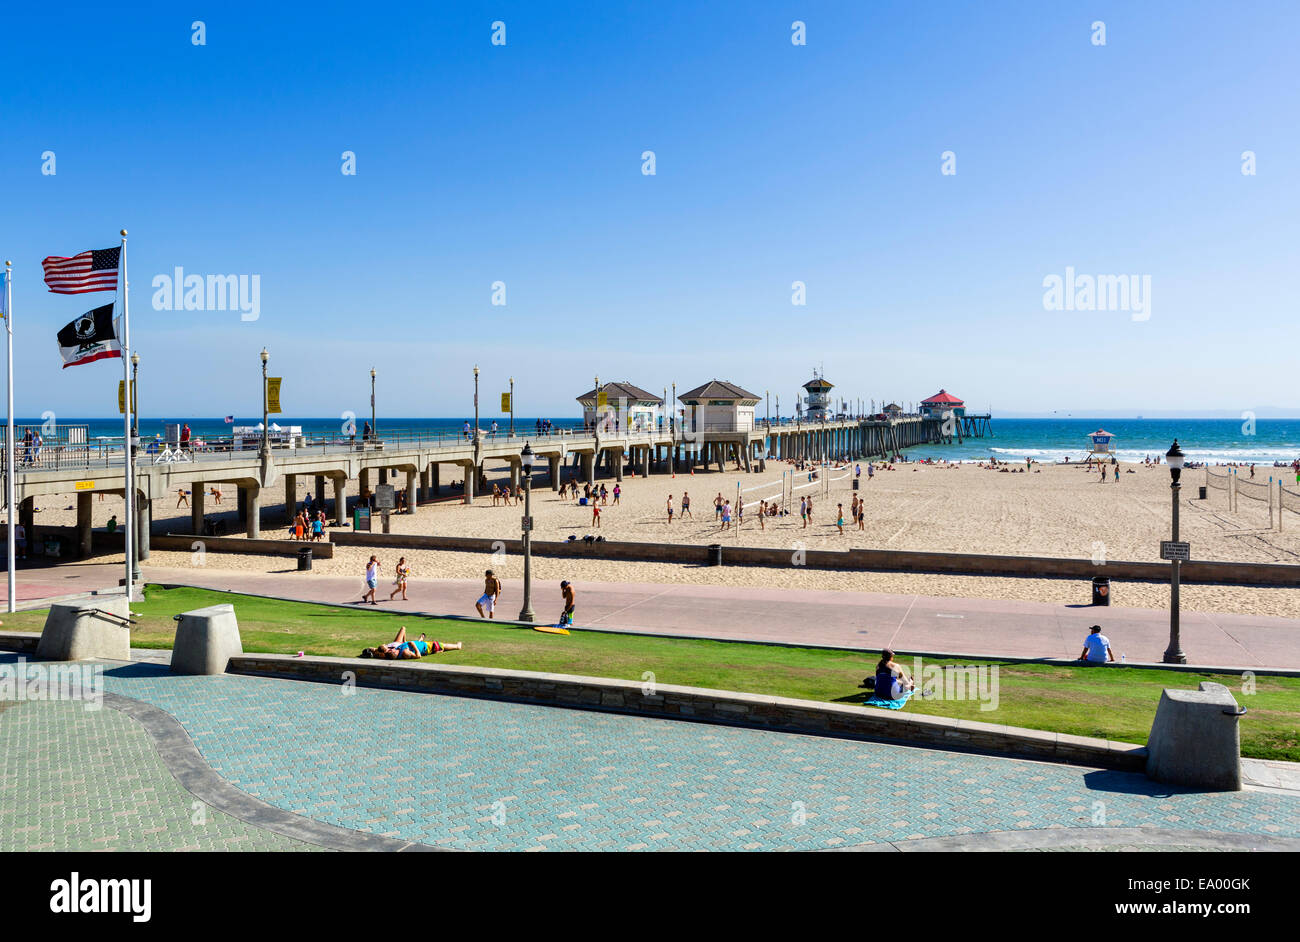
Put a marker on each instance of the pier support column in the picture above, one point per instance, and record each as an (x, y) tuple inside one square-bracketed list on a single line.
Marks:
[(588, 462), (514, 476), (290, 495), (617, 458), (340, 483), (424, 483), (83, 523), (383, 475), (553, 471), (645, 462), (197, 494), (143, 525), (363, 481), (252, 495), (412, 495), (241, 504), (320, 490), (471, 472), (27, 517)]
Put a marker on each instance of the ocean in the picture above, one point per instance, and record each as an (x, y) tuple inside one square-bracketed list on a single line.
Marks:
[(1203, 440)]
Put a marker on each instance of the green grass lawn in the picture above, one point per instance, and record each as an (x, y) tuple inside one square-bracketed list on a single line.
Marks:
[(1114, 703)]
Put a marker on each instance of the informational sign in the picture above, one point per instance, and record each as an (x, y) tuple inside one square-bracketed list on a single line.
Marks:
[(385, 497), (505, 402), (273, 393), (1179, 551), (361, 518), (121, 396), (525, 524), (84, 485)]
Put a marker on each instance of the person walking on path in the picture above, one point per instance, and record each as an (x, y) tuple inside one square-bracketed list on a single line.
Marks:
[(399, 583), (372, 580), (491, 592)]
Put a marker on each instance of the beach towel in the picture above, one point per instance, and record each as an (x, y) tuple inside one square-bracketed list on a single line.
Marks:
[(898, 704)]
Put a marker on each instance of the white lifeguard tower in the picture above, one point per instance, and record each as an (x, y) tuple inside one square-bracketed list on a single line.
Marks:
[(1103, 445)]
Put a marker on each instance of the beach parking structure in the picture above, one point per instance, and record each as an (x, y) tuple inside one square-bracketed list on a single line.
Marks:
[(1101, 590)]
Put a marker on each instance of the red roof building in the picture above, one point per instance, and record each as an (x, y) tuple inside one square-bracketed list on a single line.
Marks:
[(942, 403)]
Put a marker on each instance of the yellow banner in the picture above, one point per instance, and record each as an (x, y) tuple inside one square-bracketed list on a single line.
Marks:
[(85, 485), (505, 402), (273, 393), (602, 399), (121, 396)]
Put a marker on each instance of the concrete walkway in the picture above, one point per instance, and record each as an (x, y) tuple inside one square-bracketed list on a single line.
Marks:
[(907, 623)]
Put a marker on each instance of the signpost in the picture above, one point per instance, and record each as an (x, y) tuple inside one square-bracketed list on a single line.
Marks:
[(385, 501), (526, 524)]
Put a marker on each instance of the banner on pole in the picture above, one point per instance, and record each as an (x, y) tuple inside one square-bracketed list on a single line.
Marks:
[(273, 393), (121, 396), (505, 402)]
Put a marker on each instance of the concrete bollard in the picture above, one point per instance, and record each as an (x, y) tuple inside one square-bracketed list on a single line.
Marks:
[(77, 631), (206, 639), (1195, 741)]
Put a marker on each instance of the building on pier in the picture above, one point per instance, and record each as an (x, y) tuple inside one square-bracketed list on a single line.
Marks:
[(941, 404), (625, 407), (718, 406), (817, 403)]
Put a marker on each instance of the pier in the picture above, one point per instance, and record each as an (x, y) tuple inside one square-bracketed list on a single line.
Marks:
[(338, 470)]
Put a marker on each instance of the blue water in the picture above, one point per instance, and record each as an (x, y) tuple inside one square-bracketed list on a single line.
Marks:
[(1207, 440), (1204, 440)]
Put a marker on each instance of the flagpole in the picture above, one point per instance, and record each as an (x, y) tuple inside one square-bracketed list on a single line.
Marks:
[(9, 436), (128, 530)]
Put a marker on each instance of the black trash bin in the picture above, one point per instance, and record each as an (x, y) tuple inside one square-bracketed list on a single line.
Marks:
[(1101, 590), (304, 558), (715, 554), (1202, 490), (856, 481)]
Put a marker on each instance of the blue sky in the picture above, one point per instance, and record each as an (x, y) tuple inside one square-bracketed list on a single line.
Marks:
[(775, 163)]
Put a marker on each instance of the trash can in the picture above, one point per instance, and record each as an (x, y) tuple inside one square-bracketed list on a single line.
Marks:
[(1202, 490), (855, 483), (304, 558), (1100, 590), (715, 554)]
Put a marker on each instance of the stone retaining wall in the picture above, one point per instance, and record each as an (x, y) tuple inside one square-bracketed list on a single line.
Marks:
[(1220, 573), (692, 703)]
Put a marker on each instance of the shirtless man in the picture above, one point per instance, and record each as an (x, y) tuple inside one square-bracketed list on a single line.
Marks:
[(491, 592), (686, 506), (566, 619), (181, 499), (670, 508)]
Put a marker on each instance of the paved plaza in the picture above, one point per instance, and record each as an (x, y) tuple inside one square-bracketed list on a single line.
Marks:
[(411, 771)]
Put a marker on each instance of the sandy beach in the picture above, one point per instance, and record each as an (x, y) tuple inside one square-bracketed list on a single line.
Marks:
[(1050, 511)]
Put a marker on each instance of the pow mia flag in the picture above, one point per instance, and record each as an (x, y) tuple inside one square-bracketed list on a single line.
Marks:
[(92, 336)]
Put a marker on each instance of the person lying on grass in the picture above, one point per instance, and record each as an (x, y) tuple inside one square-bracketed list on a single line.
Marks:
[(401, 649)]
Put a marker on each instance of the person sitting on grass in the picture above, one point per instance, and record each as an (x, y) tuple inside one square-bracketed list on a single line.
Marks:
[(892, 681), (1096, 647), (401, 649)]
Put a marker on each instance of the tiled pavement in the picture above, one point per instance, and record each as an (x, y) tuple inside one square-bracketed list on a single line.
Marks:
[(77, 779), (475, 774)]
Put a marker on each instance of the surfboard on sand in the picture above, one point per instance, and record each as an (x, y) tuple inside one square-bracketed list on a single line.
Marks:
[(551, 629)]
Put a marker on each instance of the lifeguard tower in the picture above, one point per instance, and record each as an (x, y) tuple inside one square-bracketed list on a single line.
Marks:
[(1103, 445)]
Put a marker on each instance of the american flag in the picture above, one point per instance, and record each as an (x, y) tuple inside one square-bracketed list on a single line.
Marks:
[(95, 270), (230, 419)]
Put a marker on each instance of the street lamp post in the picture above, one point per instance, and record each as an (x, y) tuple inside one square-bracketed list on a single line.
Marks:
[(372, 404), (134, 402), (266, 414), (526, 459), (1174, 653), (512, 407), (476, 403), (133, 406)]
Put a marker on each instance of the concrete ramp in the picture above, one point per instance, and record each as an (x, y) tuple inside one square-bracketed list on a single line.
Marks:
[(78, 631), (1195, 741), (206, 640)]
